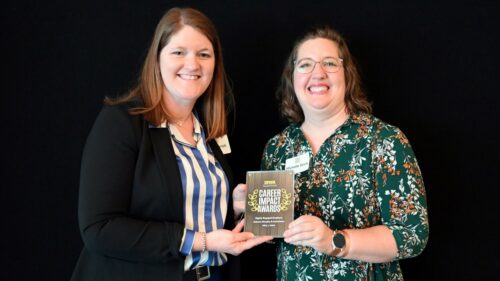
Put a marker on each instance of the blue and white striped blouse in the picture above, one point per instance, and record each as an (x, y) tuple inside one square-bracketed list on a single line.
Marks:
[(205, 192)]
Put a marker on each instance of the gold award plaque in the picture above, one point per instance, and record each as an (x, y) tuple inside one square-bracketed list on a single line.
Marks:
[(269, 202)]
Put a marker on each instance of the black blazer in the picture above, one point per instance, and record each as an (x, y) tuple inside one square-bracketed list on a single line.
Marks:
[(131, 203)]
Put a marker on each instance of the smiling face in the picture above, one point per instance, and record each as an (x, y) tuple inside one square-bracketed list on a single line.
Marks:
[(319, 93), (187, 65)]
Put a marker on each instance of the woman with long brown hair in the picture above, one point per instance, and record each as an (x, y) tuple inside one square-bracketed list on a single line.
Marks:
[(155, 191)]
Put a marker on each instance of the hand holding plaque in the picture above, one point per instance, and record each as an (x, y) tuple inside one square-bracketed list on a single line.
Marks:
[(269, 202)]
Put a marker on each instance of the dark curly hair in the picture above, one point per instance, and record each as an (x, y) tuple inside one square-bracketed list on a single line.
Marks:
[(355, 98)]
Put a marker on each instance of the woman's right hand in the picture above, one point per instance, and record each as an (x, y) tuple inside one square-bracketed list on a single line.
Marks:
[(233, 242)]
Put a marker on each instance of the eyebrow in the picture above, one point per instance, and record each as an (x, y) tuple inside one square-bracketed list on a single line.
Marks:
[(206, 49), (185, 48), (327, 57)]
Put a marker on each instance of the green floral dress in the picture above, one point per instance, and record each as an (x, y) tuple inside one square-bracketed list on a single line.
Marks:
[(364, 174)]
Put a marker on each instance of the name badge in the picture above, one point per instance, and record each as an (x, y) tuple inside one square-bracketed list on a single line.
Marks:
[(298, 164), (223, 143)]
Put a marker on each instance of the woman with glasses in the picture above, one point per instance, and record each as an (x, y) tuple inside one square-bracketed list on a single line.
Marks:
[(360, 206), (155, 198)]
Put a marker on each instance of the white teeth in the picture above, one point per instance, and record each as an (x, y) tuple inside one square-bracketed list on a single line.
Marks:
[(188, 77), (318, 89)]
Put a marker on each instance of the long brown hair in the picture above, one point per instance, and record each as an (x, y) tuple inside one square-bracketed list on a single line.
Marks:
[(217, 99), (355, 99)]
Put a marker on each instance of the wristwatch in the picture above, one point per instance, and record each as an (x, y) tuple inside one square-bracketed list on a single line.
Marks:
[(338, 242)]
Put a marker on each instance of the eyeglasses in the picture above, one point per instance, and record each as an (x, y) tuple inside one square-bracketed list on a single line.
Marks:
[(329, 64)]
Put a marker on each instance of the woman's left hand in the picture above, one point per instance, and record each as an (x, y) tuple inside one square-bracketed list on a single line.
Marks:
[(309, 231), (239, 195)]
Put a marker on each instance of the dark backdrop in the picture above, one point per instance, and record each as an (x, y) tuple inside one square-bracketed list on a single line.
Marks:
[(430, 68)]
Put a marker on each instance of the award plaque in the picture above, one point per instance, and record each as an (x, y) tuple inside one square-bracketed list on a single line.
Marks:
[(269, 202)]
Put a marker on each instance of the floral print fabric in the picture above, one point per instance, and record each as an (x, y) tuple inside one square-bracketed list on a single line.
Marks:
[(364, 174)]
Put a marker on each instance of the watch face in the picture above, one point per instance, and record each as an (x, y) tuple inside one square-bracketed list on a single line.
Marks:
[(339, 240)]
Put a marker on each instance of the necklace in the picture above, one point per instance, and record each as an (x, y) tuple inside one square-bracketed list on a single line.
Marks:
[(180, 123)]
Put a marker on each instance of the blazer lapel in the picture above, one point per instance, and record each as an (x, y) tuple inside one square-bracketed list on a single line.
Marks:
[(164, 153)]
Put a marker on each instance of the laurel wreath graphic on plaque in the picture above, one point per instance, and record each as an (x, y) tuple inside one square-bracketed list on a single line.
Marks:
[(285, 199), (253, 200)]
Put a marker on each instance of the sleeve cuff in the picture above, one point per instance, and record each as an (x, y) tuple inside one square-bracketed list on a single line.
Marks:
[(408, 242), (187, 242)]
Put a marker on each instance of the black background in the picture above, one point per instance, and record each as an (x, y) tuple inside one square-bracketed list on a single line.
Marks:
[(430, 68)]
